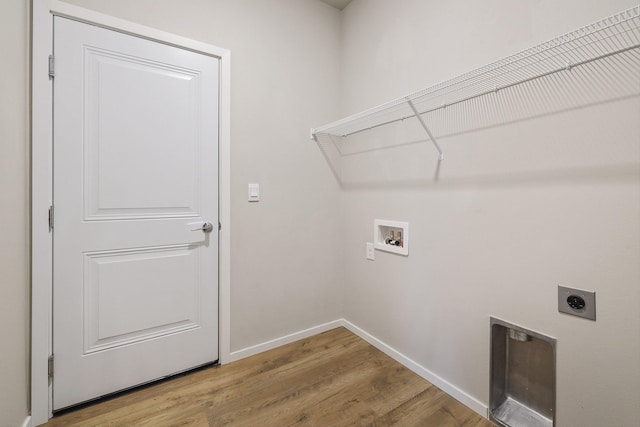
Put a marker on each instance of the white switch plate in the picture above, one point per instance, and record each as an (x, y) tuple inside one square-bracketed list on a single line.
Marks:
[(254, 192), (371, 253)]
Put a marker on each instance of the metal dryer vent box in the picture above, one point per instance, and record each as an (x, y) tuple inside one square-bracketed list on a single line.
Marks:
[(523, 376)]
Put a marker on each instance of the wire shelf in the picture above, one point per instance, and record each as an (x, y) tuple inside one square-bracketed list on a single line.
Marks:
[(613, 41)]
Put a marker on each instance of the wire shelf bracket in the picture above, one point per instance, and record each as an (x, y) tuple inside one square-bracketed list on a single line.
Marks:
[(426, 128)]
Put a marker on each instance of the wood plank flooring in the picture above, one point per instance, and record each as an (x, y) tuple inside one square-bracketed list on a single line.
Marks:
[(332, 379)]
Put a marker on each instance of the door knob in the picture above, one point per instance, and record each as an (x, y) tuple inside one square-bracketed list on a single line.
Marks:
[(206, 227)]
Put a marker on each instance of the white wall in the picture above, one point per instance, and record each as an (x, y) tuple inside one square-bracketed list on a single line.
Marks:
[(518, 209), (14, 213), (285, 276)]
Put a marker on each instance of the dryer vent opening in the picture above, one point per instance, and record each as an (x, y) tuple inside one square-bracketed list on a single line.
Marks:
[(523, 377)]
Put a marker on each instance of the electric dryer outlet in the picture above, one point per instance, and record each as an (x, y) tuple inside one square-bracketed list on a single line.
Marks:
[(577, 302)]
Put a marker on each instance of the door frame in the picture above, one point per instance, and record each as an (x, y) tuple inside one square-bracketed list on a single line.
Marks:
[(43, 12)]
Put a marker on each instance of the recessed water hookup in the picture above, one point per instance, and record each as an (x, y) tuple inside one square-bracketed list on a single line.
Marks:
[(395, 238), (391, 236)]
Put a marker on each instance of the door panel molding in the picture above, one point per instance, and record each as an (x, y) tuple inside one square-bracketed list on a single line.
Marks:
[(104, 73), (42, 182), (104, 322)]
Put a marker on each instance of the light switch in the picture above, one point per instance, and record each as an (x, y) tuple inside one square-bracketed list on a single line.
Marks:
[(371, 253), (254, 192)]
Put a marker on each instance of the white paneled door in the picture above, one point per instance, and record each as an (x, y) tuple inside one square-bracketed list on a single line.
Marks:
[(135, 293)]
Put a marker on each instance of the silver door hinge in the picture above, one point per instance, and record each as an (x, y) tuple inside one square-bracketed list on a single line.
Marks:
[(50, 367), (52, 70), (219, 226), (50, 218)]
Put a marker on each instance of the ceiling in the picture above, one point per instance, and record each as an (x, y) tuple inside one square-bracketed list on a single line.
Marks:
[(338, 4)]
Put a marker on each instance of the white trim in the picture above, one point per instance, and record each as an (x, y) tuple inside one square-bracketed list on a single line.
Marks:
[(91, 17), (41, 197), (41, 179), (224, 207), (27, 422), (287, 339), (458, 394)]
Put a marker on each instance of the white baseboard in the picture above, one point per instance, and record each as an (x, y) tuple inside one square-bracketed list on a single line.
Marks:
[(27, 422), (434, 379), (287, 339)]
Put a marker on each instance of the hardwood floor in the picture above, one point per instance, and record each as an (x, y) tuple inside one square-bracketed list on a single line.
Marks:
[(331, 379)]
